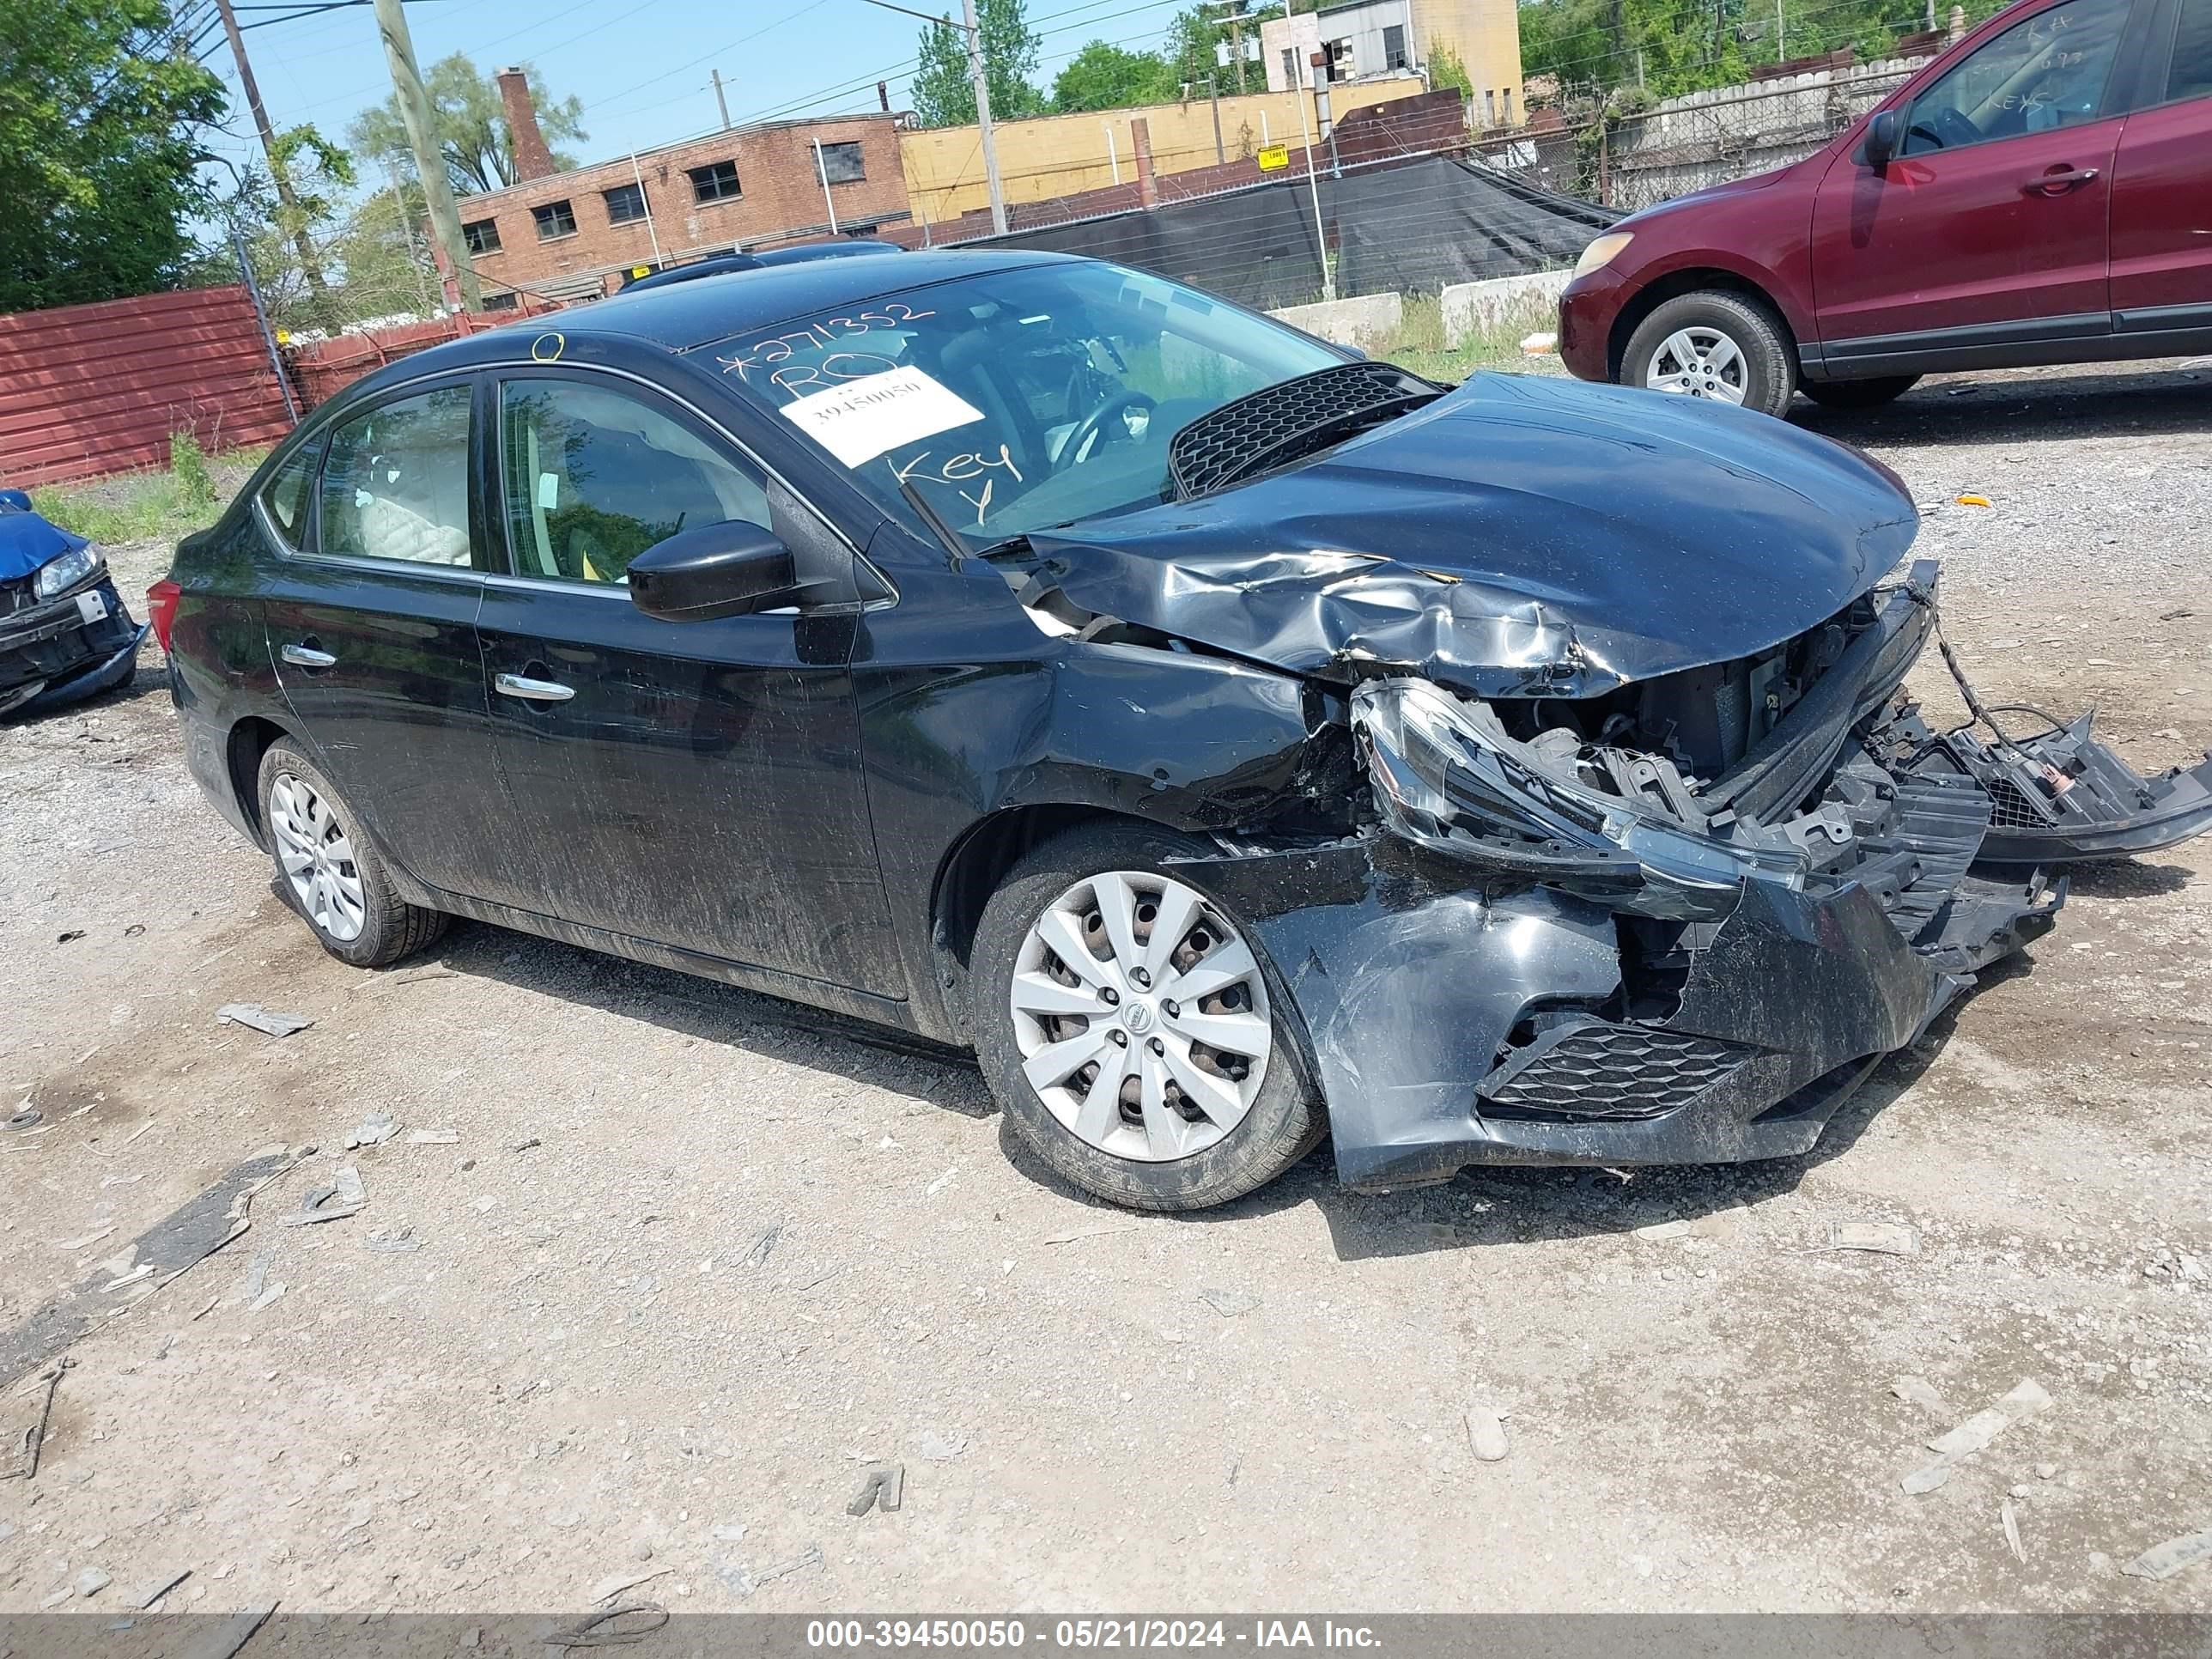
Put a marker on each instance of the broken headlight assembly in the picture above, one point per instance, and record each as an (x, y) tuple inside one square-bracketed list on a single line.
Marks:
[(1448, 777), (56, 576)]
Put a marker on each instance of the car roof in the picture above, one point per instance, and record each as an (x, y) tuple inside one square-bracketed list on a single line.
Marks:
[(685, 316), (682, 316)]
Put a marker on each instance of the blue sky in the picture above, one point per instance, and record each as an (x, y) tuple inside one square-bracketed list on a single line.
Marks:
[(640, 66)]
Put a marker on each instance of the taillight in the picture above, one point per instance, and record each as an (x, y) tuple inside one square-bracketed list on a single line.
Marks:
[(161, 608)]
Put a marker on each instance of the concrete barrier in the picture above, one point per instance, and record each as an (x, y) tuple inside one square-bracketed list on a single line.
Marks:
[(1364, 322), (1519, 304)]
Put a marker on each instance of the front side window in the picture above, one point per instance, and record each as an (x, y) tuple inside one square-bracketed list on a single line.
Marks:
[(594, 476), (396, 482), (2045, 72), (1009, 402), (717, 183), (481, 236), (554, 218), (625, 204), (2192, 75), (285, 496)]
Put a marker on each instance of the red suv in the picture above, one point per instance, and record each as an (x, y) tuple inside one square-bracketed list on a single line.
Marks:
[(2041, 193)]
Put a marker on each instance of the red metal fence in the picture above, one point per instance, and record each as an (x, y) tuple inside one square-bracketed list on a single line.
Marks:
[(323, 368), (87, 390)]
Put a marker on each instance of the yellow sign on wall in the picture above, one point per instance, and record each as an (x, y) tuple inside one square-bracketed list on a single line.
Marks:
[(1274, 158)]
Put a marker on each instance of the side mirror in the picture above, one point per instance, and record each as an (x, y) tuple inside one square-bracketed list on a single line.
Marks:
[(729, 569), (1882, 136), (16, 498)]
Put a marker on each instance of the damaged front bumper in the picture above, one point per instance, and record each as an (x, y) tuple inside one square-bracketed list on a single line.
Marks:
[(1452, 1025), (1562, 950), (74, 647)]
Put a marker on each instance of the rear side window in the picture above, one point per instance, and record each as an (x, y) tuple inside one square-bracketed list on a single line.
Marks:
[(285, 496), (2044, 72), (593, 477), (396, 484), (2192, 52)]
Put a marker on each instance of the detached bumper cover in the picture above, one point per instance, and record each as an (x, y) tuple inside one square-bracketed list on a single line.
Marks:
[(70, 648), (2064, 798)]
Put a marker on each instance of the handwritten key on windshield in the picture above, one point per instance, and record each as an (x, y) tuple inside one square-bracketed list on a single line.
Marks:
[(955, 470)]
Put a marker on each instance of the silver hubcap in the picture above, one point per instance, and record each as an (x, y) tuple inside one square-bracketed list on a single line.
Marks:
[(1698, 362), (1141, 1017), (318, 858)]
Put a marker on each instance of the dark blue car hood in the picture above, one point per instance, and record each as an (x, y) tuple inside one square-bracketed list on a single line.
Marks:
[(28, 541), (1520, 536)]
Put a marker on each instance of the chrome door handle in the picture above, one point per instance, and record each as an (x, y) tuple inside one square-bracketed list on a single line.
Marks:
[(305, 656), (514, 685)]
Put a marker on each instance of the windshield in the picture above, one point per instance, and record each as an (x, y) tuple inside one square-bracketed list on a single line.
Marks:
[(1015, 401)]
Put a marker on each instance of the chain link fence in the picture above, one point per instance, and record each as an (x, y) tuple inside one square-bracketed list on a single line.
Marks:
[(1629, 160)]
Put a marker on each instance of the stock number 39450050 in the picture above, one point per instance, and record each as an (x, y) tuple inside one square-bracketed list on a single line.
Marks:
[(1063, 1634)]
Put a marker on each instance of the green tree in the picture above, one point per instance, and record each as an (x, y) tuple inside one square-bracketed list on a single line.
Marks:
[(471, 127), (1106, 76), (1446, 72), (99, 104), (942, 96)]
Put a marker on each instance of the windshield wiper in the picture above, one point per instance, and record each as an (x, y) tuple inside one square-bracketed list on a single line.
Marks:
[(955, 544), (1278, 423)]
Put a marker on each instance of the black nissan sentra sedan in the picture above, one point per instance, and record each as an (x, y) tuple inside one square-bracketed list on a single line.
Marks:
[(1231, 739)]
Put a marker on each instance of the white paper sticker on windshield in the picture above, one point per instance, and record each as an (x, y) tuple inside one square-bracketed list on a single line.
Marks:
[(860, 420)]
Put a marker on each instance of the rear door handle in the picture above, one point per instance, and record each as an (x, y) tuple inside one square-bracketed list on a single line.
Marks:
[(305, 656), (2059, 180), (514, 685)]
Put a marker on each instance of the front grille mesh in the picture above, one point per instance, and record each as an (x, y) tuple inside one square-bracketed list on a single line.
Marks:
[(1238, 438), (1592, 1069), (2013, 809)]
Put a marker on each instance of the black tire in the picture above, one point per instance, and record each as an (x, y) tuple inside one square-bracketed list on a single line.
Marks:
[(1859, 394), (390, 927), (1283, 1123), (1770, 367)]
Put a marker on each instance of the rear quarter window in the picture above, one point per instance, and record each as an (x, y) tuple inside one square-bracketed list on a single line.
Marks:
[(286, 496)]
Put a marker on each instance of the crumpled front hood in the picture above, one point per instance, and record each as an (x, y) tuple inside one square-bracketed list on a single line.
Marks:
[(1521, 537), (28, 541)]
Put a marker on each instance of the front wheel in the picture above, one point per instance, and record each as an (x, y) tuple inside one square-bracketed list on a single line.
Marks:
[(1131, 1029), (328, 873), (1859, 394), (1717, 345)]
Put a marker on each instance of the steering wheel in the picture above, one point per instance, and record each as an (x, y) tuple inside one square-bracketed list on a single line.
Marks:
[(1950, 128), (1093, 424)]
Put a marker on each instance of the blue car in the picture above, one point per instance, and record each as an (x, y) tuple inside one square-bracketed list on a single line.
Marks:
[(64, 632)]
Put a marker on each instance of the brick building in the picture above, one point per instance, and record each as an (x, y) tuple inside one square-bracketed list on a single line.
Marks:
[(570, 235)]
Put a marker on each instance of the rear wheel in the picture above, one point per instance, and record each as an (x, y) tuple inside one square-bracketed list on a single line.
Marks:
[(1717, 345), (1859, 394), (328, 873), (1131, 1029)]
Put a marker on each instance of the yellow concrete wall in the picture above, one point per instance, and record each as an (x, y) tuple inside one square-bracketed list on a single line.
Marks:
[(1059, 155), (1486, 36)]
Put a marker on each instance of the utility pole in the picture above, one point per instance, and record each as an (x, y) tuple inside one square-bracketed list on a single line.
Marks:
[(721, 102), (1781, 35), (429, 160), (1214, 91), (821, 172), (1313, 185), (982, 84), (310, 266), (977, 79)]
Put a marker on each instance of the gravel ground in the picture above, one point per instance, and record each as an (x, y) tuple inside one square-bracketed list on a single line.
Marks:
[(691, 1260)]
